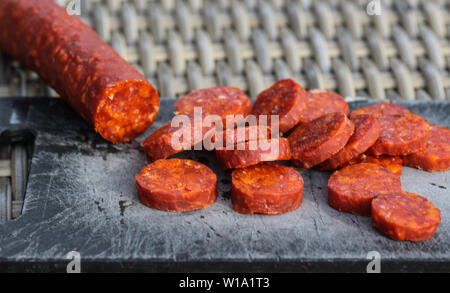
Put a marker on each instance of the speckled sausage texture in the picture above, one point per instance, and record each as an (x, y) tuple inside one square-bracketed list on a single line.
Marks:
[(321, 102), (436, 154), (287, 99), (402, 133), (382, 109), (221, 101), (367, 131), (237, 135), (243, 154), (266, 188), (159, 145), (177, 185), (405, 216), (314, 142), (353, 188), (86, 72), (393, 164)]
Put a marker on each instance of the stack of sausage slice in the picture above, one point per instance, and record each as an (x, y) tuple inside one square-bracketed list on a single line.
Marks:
[(314, 129), (369, 183)]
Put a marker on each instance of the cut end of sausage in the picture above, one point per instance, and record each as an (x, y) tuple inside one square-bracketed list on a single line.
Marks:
[(127, 110)]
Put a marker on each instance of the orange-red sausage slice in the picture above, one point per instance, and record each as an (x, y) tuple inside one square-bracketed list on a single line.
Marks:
[(221, 101), (367, 131), (253, 152), (285, 98), (382, 109), (170, 140), (393, 164), (177, 185), (266, 188), (353, 188), (314, 142), (321, 102), (401, 135), (436, 154), (405, 216)]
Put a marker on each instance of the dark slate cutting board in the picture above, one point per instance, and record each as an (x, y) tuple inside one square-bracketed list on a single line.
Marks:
[(81, 196)]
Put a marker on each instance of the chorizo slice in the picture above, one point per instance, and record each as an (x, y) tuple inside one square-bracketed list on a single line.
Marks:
[(353, 188), (287, 99), (251, 153), (236, 135), (84, 70), (405, 216), (170, 140), (393, 164), (401, 135), (436, 154), (382, 109), (314, 142), (266, 188), (367, 131), (321, 102), (177, 185), (222, 101)]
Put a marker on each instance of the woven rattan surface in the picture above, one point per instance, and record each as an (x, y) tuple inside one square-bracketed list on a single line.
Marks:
[(402, 53)]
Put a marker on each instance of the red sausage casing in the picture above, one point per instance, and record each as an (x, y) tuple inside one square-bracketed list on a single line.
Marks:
[(84, 70)]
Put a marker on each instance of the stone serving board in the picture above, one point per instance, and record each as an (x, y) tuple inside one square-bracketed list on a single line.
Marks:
[(81, 196)]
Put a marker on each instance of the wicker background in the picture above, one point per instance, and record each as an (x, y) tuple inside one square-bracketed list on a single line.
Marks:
[(182, 45)]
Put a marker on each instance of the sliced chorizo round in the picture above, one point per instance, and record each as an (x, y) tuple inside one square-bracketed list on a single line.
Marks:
[(393, 164), (353, 188), (319, 103), (367, 131), (222, 139), (405, 216), (436, 154), (174, 138), (251, 153), (382, 109), (266, 188), (177, 185), (287, 99), (401, 135), (221, 101), (314, 142)]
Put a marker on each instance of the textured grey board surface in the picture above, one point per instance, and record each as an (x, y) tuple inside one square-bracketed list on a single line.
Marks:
[(81, 196)]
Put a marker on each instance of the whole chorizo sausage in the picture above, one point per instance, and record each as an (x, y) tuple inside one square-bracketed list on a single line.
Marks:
[(67, 54)]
